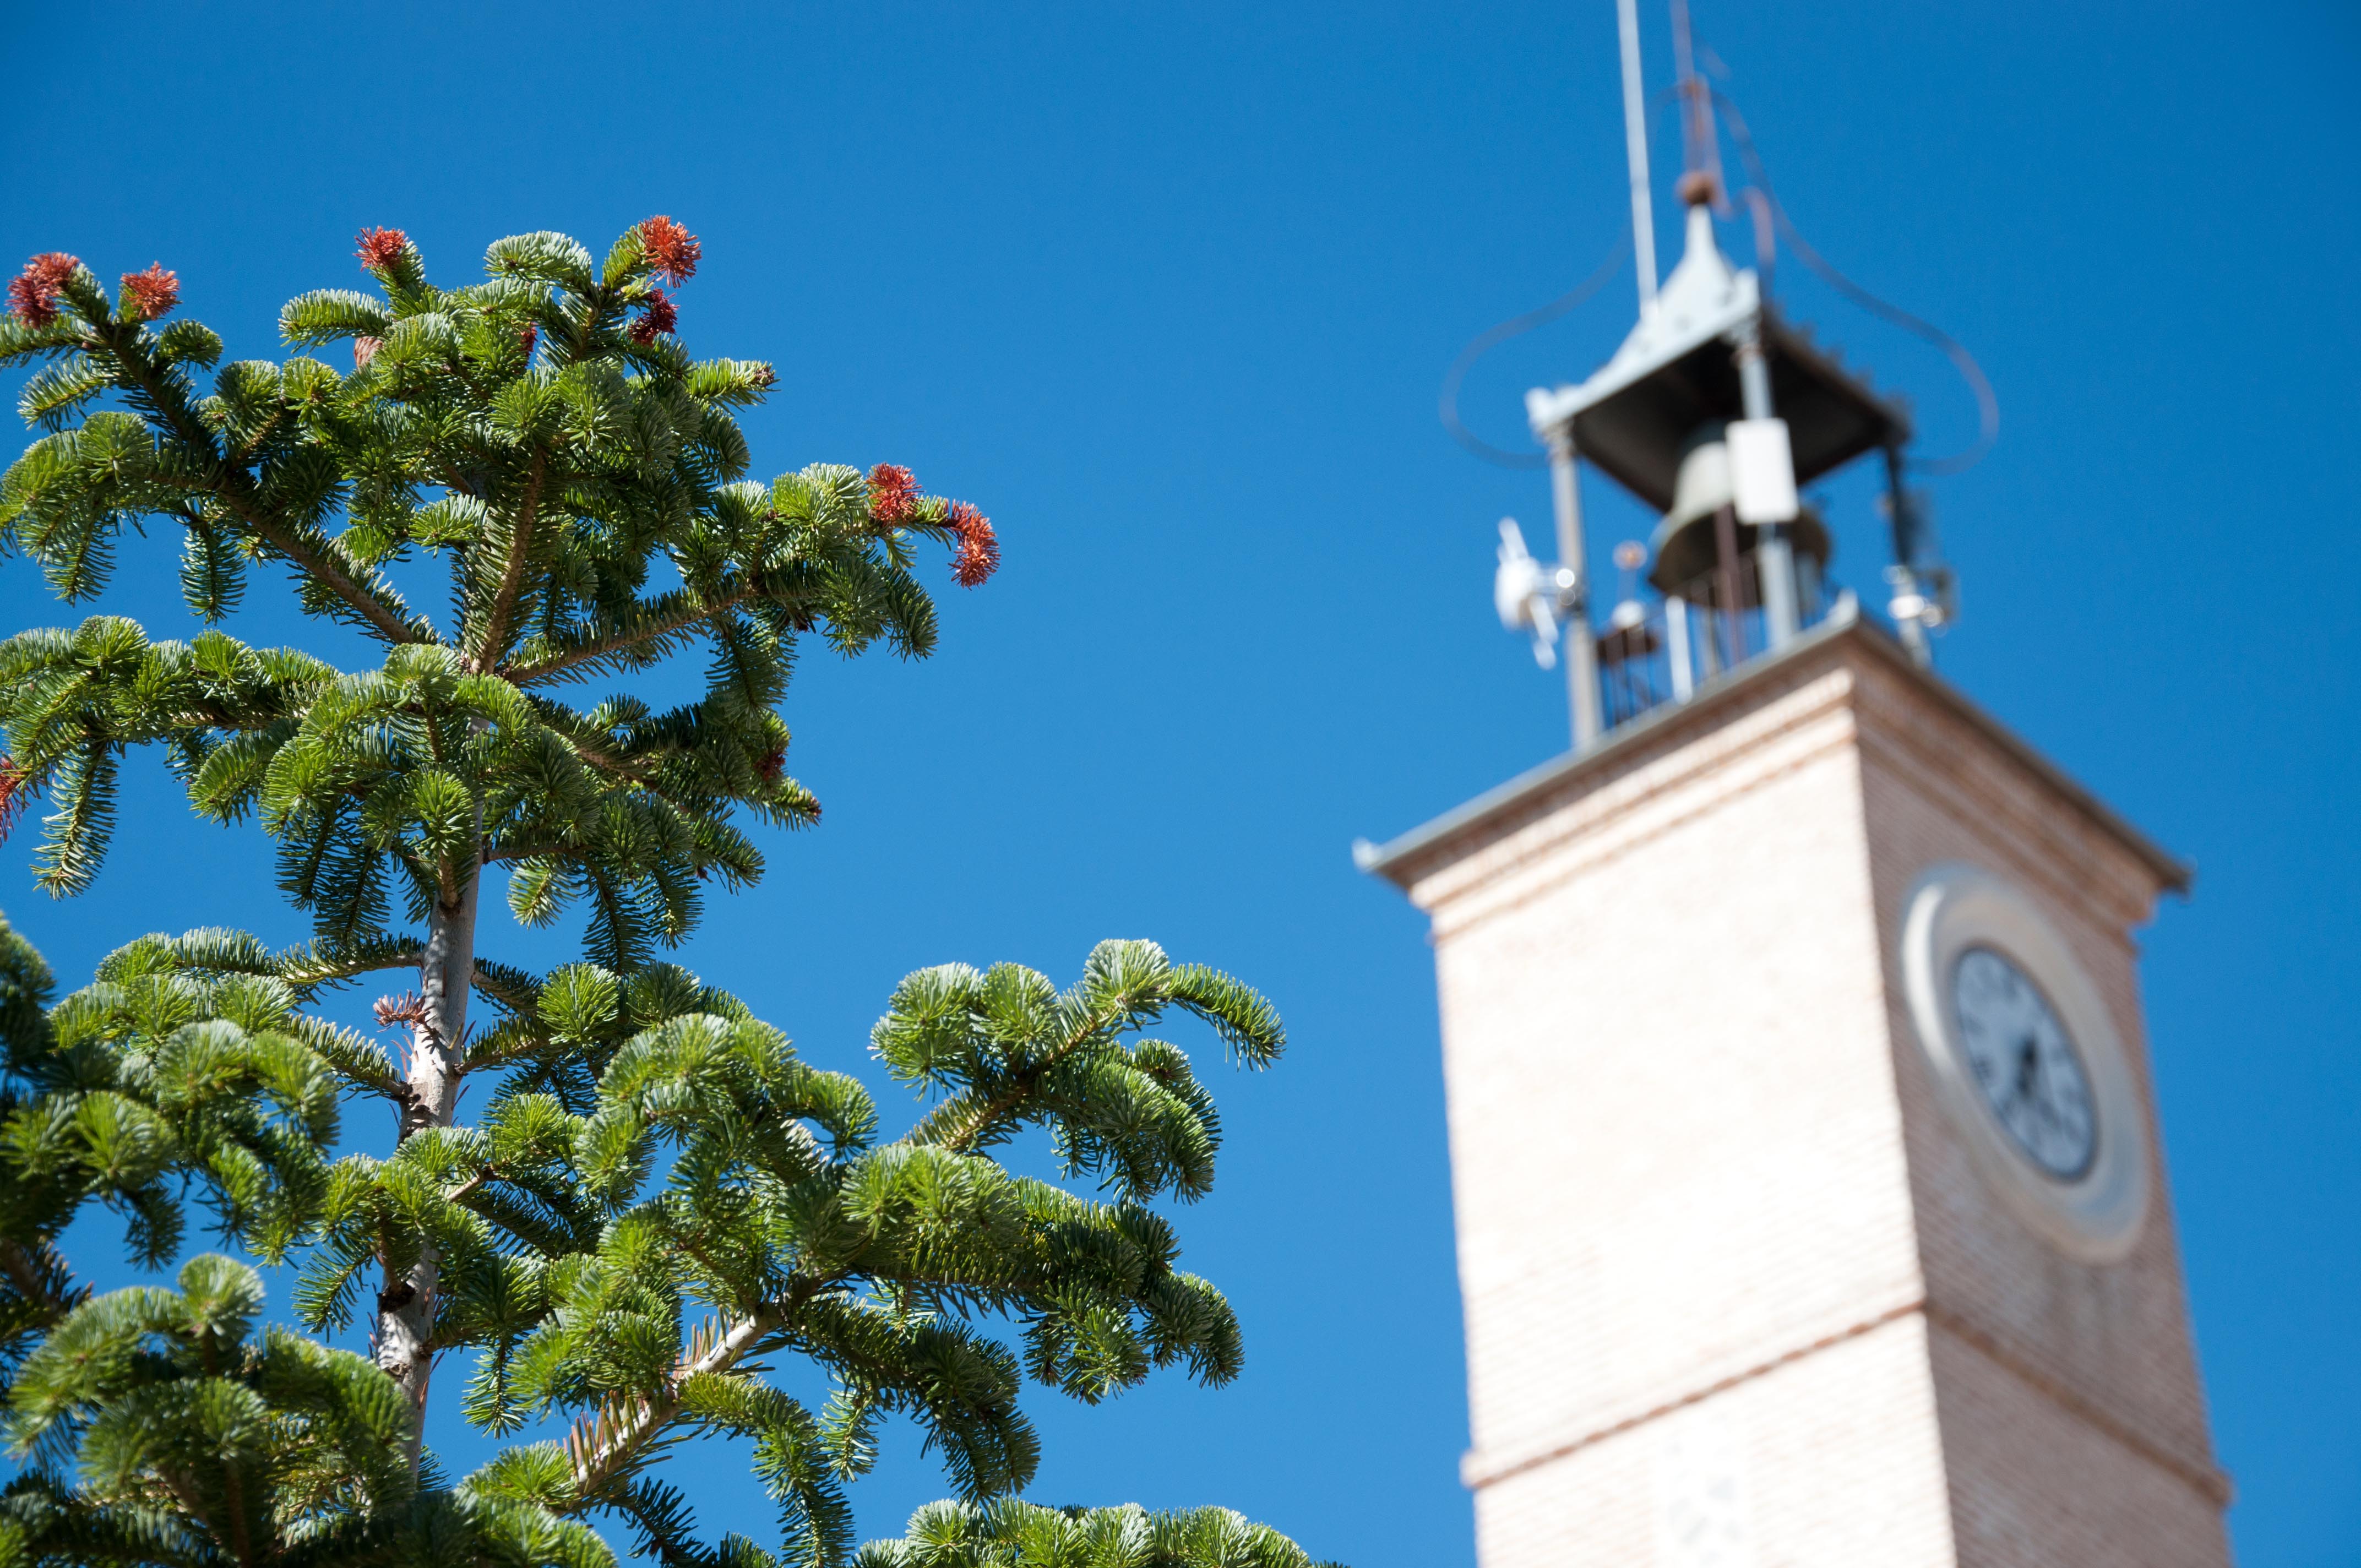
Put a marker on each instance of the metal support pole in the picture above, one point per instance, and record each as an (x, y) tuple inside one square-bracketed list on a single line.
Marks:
[(1730, 601), (1635, 145), (1775, 563), (1677, 640), (1906, 549), (1581, 648)]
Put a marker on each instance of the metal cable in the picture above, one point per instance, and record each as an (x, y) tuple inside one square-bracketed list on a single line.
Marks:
[(1979, 385), (1987, 400), (1513, 326), (1526, 322)]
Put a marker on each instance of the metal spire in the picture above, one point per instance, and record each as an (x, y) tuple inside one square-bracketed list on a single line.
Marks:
[(1635, 140)]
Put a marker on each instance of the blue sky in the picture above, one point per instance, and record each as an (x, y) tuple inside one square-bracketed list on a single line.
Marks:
[(1168, 290)]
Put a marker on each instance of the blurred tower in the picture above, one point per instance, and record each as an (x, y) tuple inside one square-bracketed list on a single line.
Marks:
[(1811, 1210)]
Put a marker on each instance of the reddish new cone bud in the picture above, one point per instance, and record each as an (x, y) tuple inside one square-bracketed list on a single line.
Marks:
[(529, 336), (407, 1008), (979, 548), (657, 316), (33, 293), (671, 250), (892, 489), (14, 796), (155, 292), (379, 247)]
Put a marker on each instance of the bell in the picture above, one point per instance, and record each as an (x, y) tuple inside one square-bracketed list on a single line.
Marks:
[(1688, 542)]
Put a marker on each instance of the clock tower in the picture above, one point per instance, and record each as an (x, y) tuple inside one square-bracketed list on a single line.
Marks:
[(1811, 1204), (1758, 1271)]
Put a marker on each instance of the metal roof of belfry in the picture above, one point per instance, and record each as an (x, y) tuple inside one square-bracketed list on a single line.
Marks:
[(1674, 373)]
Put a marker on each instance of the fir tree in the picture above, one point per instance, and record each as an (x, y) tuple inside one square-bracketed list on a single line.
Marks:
[(659, 1194)]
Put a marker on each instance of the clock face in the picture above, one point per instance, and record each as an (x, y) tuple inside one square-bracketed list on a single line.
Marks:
[(2025, 1063)]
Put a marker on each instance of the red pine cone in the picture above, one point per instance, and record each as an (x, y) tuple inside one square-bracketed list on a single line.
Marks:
[(156, 292), (14, 796), (529, 336), (657, 315), (979, 547), (671, 250), (33, 293), (379, 247), (892, 489)]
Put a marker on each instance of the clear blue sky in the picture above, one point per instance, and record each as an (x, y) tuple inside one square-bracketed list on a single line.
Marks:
[(1168, 290)]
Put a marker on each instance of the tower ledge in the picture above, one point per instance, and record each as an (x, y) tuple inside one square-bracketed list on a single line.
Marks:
[(1845, 636)]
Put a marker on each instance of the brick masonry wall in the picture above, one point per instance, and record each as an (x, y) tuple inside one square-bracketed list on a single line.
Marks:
[(2034, 1485), (2111, 1344), (1699, 1173), (1837, 1454)]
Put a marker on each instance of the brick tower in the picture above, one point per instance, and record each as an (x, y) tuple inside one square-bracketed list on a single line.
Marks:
[(1811, 1210), (1793, 1232)]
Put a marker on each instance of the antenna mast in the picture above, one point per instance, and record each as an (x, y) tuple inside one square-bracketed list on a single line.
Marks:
[(1635, 139), (1700, 147)]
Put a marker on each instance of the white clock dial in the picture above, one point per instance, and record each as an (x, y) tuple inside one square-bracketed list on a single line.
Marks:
[(2025, 1062)]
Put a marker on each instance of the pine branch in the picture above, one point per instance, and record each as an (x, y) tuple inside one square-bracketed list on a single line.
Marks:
[(493, 640), (663, 623), (602, 1446), (39, 1274), (235, 489), (960, 1125)]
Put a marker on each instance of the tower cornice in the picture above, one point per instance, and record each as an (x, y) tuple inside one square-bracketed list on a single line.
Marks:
[(1408, 858)]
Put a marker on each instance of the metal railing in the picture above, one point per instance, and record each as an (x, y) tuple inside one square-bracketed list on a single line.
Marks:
[(1650, 654)]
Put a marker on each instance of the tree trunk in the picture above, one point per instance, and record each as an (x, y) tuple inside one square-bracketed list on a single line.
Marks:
[(405, 1305)]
